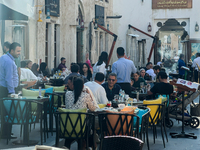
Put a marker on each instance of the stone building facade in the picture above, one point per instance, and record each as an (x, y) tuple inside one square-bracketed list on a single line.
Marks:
[(176, 22), (71, 34)]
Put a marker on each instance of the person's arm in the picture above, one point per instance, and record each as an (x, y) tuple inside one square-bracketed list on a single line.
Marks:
[(9, 77)]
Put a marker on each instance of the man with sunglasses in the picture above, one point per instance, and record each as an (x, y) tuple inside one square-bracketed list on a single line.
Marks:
[(111, 87)]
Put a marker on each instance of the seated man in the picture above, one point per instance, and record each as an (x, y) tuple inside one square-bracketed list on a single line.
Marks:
[(96, 88), (163, 87), (75, 72), (150, 71), (156, 70), (111, 87), (27, 74), (62, 66)]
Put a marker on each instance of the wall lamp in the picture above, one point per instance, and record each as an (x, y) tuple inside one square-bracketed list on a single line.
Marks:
[(40, 12), (196, 27)]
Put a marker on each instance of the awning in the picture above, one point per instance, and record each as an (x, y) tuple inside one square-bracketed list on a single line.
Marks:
[(16, 9)]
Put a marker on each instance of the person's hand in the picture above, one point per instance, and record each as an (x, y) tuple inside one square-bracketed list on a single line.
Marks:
[(148, 87), (132, 82)]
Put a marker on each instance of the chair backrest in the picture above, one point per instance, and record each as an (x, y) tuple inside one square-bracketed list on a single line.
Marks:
[(21, 111), (117, 124), (73, 124), (122, 143), (157, 114)]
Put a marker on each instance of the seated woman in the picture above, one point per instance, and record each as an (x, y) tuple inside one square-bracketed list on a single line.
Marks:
[(85, 71), (144, 75), (79, 97), (137, 80)]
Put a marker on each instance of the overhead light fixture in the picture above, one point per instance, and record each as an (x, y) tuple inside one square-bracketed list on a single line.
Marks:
[(40, 12), (149, 28), (196, 27)]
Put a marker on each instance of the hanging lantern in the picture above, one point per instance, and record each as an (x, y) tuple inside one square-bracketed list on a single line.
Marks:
[(149, 28)]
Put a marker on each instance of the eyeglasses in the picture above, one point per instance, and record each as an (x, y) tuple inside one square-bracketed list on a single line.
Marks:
[(111, 80)]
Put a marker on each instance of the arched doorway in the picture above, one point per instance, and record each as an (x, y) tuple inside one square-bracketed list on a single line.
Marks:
[(79, 37), (170, 43)]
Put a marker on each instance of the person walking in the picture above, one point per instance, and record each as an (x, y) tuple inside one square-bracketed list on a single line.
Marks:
[(123, 69)]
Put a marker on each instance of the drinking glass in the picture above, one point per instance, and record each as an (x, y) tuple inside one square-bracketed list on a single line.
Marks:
[(141, 85)]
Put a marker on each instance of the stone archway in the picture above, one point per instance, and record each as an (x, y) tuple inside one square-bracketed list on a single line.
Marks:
[(169, 43)]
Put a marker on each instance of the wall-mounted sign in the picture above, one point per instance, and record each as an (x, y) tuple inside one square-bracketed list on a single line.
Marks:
[(171, 4), (53, 6), (99, 14)]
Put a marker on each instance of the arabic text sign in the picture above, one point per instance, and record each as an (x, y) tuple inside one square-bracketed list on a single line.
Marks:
[(171, 4)]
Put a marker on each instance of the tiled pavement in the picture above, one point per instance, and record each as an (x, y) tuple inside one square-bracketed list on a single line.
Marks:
[(172, 144)]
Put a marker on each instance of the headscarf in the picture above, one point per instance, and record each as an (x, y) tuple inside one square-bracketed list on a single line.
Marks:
[(34, 69)]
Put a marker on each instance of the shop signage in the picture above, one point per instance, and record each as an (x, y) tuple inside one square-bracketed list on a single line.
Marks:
[(53, 6), (99, 14), (171, 4)]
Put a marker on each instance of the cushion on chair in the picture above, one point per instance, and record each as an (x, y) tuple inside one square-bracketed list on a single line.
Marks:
[(153, 108), (26, 92), (18, 116), (113, 120), (73, 118), (56, 88), (140, 113)]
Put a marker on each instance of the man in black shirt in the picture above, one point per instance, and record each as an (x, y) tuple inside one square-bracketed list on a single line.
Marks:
[(111, 87), (163, 87)]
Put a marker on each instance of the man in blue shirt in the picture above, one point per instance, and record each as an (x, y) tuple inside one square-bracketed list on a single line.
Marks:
[(123, 69), (111, 87), (180, 64), (9, 78)]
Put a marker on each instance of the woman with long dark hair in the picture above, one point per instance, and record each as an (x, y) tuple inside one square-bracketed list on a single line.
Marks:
[(85, 71), (100, 66), (79, 97), (35, 69), (44, 70)]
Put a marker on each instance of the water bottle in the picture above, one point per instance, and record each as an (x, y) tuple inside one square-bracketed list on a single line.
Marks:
[(123, 95), (120, 94)]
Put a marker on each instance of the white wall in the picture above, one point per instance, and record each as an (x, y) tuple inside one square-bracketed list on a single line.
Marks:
[(139, 14)]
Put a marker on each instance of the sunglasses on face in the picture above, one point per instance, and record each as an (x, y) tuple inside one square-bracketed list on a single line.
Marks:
[(111, 80)]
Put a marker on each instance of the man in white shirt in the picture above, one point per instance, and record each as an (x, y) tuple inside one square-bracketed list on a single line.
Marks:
[(196, 63), (98, 90)]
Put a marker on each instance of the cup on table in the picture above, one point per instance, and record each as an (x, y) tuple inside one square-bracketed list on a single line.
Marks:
[(141, 85)]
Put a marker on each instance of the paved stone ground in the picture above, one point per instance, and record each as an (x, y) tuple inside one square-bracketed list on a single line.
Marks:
[(172, 144)]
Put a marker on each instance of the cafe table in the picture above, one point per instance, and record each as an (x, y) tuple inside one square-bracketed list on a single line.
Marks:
[(27, 99)]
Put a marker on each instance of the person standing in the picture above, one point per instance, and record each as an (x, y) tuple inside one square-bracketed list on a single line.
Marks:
[(180, 64), (196, 62), (123, 69), (9, 79), (100, 66)]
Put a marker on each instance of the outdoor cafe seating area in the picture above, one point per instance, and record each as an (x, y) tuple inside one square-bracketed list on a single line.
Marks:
[(127, 123)]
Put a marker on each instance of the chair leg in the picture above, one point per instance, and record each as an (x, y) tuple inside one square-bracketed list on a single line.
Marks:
[(80, 144), (147, 137), (30, 128), (165, 131), (154, 134), (21, 131), (162, 136)]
